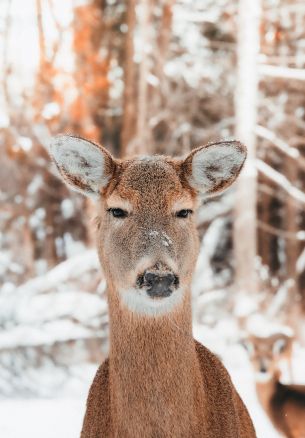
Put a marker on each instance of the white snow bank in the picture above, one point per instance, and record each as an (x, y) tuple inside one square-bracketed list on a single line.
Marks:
[(59, 418), (73, 267)]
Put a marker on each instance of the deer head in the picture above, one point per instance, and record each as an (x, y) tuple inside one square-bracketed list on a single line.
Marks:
[(147, 238), (265, 354)]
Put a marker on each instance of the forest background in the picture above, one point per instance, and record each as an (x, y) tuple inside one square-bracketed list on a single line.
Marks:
[(143, 76)]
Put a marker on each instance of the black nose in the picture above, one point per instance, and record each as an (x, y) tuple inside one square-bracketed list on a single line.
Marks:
[(263, 368), (158, 285)]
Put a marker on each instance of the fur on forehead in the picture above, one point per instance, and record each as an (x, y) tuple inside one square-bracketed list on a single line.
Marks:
[(212, 168), (149, 175)]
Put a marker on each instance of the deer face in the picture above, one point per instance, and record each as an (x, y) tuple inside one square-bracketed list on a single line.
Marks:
[(266, 353), (147, 239)]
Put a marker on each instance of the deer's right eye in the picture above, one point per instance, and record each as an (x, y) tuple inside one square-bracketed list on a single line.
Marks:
[(118, 213)]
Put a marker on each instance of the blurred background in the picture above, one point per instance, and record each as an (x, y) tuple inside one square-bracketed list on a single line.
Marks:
[(143, 76)]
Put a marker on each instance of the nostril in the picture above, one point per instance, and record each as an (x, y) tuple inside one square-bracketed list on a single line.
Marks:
[(168, 279), (176, 281), (140, 280), (150, 278)]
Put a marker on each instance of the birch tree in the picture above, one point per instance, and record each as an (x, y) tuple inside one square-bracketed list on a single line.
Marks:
[(246, 115), (144, 30), (129, 99)]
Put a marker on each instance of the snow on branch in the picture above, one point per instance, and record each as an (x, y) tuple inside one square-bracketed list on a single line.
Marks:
[(280, 299), (267, 134), (282, 72), (214, 208), (300, 235), (71, 268), (280, 180), (55, 306)]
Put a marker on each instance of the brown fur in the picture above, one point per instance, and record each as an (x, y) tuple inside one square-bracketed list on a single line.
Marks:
[(284, 404), (158, 382)]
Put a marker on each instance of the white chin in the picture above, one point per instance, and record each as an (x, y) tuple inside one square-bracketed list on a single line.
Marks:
[(262, 377), (139, 302)]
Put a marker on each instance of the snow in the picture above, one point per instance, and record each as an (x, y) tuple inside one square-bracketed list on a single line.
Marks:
[(67, 208), (276, 71), (267, 134), (25, 143), (58, 418), (35, 185), (51, 110), (281, 180), (62, 418), (263, 327), (165, 239), (72, 267), (215, 207)]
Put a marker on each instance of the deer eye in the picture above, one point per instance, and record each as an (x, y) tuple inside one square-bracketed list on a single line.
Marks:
[(184, 213), (118, 213)]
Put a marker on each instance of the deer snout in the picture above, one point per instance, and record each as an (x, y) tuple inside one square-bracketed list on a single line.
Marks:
[(263, 366), (158, 284)]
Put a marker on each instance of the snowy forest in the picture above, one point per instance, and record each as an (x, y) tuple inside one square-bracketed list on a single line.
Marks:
[(147, 77)]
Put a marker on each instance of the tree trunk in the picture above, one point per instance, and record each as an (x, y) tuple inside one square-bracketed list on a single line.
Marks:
[(164, 37), (129, 107), (292, 225), (142, 122), (246, 114)]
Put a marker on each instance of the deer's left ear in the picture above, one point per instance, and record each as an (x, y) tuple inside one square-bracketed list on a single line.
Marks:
[(213, 168)]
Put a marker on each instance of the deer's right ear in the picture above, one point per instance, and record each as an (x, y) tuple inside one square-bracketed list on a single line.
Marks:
[(280, 344), (84, 166)]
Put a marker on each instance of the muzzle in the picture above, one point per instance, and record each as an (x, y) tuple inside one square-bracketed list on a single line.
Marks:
[(158, 281)]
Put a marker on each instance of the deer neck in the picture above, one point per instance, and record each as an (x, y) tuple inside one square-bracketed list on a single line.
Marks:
[(154, 371), (266, 391)]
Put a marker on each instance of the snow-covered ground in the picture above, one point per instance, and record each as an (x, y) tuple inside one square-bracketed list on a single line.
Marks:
[(62, 418), (57, 418)]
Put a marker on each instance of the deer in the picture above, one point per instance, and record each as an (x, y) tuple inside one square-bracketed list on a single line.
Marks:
[(157, 382), (284, 404)]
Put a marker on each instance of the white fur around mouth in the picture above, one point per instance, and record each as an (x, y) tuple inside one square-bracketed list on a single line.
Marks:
[(139, 302), (263, 377)]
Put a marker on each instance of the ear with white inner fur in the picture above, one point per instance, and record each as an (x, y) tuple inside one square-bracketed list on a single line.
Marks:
[(84, 166), (280, 345), (213, 168), (248, 346)]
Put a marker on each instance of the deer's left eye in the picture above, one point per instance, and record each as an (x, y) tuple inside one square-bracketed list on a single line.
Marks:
[(118, 213), (184, 213)]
